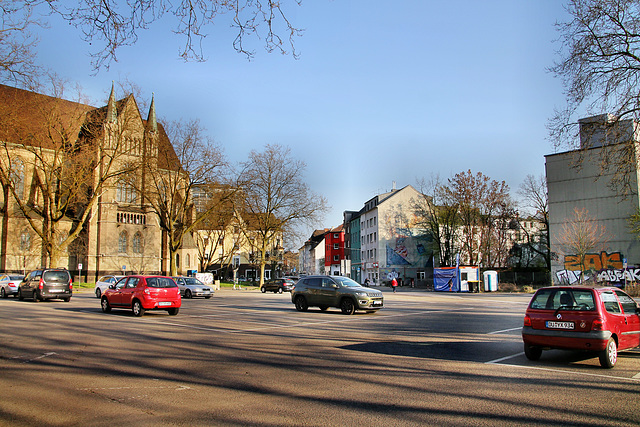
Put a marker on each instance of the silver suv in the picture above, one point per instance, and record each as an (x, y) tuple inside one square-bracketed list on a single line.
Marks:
[(335, 291)]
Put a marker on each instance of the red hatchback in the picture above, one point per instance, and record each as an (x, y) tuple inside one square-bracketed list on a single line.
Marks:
[(602, 320), (141, 293)]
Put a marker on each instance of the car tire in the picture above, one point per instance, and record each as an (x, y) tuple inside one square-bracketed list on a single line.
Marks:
[(98, 293), (531, 352), (347, 306), (66, 299), (301, 303), (20, 296), (263, 289), (323, 308), (187, 294), (609, 356), (173, 311), (104, 303), (3, 293), (207, 297), (279, 290), (137, 308)]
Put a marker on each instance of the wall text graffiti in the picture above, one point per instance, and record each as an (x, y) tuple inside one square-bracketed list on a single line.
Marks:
[(594, 262)]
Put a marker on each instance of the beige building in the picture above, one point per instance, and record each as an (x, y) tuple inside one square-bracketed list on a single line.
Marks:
[(51, 147), (576, 180)]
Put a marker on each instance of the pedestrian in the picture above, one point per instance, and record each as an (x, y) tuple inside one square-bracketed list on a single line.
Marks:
[(366, 281), (412, 284), (394, 284)]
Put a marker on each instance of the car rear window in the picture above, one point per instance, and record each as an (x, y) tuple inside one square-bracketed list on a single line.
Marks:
[(193, 281), (566, 299), (161, 282), (56, 276)]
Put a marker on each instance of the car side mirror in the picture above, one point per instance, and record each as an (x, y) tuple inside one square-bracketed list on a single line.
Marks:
[(112, 286)]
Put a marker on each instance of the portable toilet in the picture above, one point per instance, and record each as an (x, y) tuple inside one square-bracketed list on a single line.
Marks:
[(490, 281)]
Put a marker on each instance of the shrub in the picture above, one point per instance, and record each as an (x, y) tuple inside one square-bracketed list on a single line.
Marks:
[(527, 289), (507, 287)]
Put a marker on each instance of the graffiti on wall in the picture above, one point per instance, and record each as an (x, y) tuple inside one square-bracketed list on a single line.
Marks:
[(602, 267), (594, 262)]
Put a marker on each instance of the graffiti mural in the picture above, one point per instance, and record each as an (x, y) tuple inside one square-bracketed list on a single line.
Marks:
[(594, 262)]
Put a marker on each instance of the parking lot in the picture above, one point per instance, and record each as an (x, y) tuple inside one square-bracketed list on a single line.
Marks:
[(247, 358)]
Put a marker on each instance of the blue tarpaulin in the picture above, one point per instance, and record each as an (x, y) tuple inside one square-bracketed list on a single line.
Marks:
[(446, 279)]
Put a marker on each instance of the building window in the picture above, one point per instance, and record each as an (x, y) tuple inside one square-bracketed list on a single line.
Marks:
[(136, 243), (17, 176), (122, 243), (125, 193), (25, 241), (188, 260), (336, 246), (336, 235), (177, 260), (336, 258)]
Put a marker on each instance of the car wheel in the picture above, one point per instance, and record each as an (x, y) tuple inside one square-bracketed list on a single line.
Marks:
[(532, 353), (207, 297), (187, 294), (301, 303), (263, 289), (3, 293), (98, 293), (347, 306), (279, 290), (323, 308), (137, 308), (104, 303), (173, 311), (20, 296), (66, 299), (609, 356)]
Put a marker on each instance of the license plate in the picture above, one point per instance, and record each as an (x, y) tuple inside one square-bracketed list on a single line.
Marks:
[(164, 303), (376, 303), (55, 291), (560, 325)]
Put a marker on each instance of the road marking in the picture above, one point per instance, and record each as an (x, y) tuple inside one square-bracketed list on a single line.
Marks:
[(35, 358), (504, 358), (636, 376), (609, 377), (504, 330)]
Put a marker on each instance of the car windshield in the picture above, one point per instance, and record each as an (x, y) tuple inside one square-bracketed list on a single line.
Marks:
[(563, 299), (345, 281), (193, 281), (56, 276), (15, 277), (160, 282)]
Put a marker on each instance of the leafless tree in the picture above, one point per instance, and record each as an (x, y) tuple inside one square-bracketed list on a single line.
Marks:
[(275, 198), (535, 200), (192, 160), (582, 234), (17, 43), (600, 69), (65, 162), (438, 216)]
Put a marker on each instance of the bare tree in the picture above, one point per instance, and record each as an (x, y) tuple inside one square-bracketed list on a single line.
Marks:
[(580, 235), (17, 43), (600, 68), (57, 170), (192, 160), (438, 216), (535, 198), (275, 198)]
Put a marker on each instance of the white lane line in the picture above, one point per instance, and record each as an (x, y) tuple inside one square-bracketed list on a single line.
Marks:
[(504, 330), (636, 376), (588, 374), (504, 358)]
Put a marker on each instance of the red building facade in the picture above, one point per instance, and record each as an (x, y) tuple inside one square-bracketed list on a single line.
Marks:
[(334, 261)]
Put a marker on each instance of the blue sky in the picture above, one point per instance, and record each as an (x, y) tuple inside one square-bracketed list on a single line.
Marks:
[(383, 91)]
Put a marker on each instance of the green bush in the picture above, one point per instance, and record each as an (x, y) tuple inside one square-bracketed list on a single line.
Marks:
[(527, 289)]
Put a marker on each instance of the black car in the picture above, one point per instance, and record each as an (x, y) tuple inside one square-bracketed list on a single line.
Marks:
[(278, 285), (46, 283)]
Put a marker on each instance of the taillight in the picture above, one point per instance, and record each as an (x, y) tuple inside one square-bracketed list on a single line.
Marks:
[(597, 324), (41, 285), (71, 284), (527, 320)]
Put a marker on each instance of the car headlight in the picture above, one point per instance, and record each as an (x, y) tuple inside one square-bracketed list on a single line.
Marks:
[(361, 294)]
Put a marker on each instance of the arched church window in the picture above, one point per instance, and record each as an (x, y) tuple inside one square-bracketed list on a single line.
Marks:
[(17, 177), (136, 243), (122, 242)]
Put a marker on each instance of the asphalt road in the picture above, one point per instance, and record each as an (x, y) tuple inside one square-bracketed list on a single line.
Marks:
[(246, 358)]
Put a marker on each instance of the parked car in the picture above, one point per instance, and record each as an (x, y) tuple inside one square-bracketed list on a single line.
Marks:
[(600, 320), (9, 284), (46, 283), (335, 291), (103, 284), (141, 293), (191, 287), (278, 285)]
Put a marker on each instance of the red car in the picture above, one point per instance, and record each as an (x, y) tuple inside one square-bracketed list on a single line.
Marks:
[(141, 293), (602, 320)]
